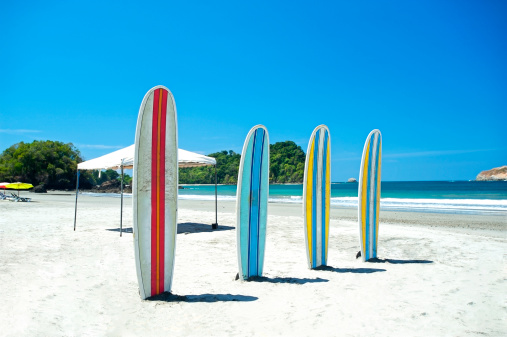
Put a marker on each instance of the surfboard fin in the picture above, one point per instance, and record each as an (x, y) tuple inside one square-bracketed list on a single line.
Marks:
[(358, 255)]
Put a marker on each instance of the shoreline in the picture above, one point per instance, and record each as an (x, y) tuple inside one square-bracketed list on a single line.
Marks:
[(496, 223), (485, 222), (481, 221)]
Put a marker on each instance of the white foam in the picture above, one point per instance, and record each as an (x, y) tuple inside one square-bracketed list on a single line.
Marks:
[(467, 206), (287, 199), (206, 197)]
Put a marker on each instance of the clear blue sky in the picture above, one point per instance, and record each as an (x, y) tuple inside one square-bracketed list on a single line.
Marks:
[(431, 75)]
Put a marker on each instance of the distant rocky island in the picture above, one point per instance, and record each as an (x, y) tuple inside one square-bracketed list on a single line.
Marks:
[(495, 174)]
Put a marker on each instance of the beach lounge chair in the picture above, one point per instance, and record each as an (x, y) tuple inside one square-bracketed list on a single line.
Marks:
[(10, 197), (16, 198)]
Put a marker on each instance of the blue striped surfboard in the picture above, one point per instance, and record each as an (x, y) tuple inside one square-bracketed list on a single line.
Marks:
[(369, 195), (252, 202), (316, 196)]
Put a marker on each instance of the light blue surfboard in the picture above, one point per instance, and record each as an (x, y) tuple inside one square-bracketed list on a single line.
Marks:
[(252, 202)]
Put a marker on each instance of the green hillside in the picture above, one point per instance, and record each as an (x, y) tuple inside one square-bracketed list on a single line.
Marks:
[(50, 165), (53, 165), (287, 165)]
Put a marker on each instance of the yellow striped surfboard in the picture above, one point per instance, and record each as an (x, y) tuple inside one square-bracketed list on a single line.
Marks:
[(316, 196), (369, 195)]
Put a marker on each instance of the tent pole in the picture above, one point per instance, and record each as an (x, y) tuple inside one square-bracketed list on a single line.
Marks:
[(75, 207), (121, 207), (215, 225)]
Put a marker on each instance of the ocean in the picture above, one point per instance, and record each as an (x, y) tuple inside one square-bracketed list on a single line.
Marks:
[(454, 197)]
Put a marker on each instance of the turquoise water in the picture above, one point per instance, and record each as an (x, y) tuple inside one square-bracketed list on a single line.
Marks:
[(389, 189), (469, 197)]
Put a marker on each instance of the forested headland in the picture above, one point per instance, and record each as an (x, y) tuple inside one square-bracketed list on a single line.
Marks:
[(49, 165), (53, 165), (286, 165)]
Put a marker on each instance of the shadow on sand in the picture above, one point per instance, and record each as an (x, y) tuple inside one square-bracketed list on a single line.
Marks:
[(207, 298), (293, 280), (184, 228), (193, 227), (124, 230), (349, 270), (392, 261)]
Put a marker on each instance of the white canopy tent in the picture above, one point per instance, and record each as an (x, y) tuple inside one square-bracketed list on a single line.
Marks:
[(124, 159)]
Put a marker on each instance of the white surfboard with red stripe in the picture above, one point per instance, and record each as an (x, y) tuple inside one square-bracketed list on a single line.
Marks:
[(155, 191)]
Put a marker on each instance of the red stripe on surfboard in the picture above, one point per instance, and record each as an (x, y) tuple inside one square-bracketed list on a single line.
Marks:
[(162, 188), (158, 191), (154, 164)]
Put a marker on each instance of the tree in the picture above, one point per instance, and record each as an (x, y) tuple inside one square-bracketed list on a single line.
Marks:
[(287, 163), (227, 170), (50, 163)]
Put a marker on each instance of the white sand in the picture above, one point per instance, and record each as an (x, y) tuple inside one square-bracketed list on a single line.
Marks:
[(445, 280)]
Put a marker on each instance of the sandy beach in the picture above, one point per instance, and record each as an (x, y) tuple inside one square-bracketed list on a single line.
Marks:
[(437, 275)]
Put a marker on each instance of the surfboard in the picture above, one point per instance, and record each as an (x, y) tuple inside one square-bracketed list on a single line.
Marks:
[(316, 196), (369, 195), (155, 191), (252, 202)]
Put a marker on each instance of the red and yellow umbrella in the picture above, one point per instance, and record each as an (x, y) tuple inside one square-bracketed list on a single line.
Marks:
[(2, 185), (19, 186)]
